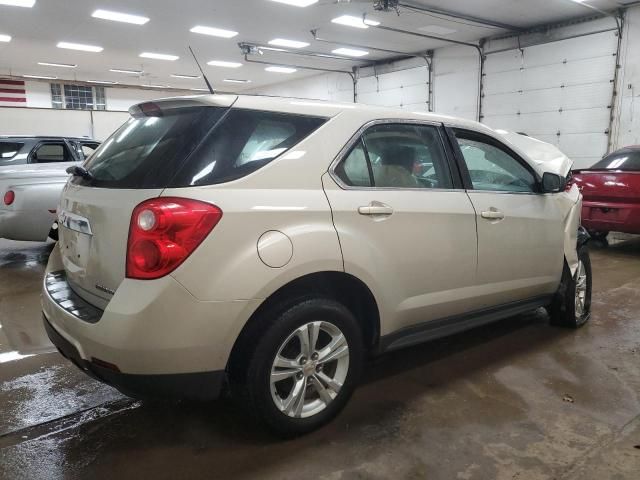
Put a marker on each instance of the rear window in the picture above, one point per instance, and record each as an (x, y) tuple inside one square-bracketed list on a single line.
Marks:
[(148, 150), (243, 142), (620, 161), (193, 146), (8, 152)]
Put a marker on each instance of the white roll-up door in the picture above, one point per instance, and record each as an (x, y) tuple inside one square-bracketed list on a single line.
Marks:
[(408, 89), (559, 92)]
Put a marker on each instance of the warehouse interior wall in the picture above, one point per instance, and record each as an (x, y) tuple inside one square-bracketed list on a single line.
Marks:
[(556, 84)]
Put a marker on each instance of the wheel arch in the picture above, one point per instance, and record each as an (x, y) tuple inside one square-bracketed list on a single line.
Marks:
[(347, 289)]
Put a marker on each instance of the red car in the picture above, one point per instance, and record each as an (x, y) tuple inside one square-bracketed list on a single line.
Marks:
[(611, 190)]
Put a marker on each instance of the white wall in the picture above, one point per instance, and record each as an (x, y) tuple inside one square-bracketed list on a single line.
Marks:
[(456, 72), (627, 125), (337, 87), (47, 121)]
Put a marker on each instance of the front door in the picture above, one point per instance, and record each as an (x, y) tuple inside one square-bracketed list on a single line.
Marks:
[(404, 227), (520, 230)]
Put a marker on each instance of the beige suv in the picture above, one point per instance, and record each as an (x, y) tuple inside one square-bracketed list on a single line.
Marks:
[(272, 245)]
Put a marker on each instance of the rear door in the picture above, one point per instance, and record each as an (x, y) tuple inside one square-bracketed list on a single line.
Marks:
[(405, 227), (520, 231)]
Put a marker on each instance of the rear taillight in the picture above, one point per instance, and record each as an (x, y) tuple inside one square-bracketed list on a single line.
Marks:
[(164, 232), (9, 197)]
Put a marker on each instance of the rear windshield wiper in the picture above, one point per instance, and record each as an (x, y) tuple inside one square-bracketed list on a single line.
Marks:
[(79, 171)]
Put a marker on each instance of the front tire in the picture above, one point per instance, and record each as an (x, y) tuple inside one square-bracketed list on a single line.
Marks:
[(304, 366), (572, 306)]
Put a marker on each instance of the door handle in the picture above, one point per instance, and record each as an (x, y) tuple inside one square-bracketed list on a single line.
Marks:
[(375, 208), (492, 214)]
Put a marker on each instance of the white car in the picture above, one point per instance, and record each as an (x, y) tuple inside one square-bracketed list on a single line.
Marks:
[(271, 245), (32, 175)]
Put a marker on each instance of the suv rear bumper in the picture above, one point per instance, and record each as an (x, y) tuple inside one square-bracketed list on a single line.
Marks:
[(153, 339), (197, 386)]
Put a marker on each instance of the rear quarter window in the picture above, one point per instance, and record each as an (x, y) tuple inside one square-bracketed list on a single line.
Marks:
[(243, 142), (9, 151)]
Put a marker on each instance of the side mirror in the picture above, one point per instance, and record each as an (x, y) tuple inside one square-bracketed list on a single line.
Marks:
[(552, 183)]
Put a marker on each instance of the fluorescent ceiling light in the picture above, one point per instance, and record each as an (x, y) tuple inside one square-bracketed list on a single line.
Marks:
[(297, 3), (199, 89), (154, 86), (159, 56), (122, 70), (61, 65), (175, 75), (236, 80), (79, 46), (283, 42), (43, 77), (119, 17), (221, 63), (105, 82), (357, 22), (281, 69), (214, 32), (350, 52), (18, 3), (437, 30), (5, 38)]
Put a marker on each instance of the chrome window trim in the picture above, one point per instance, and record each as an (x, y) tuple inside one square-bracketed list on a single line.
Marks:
[(344, 151)]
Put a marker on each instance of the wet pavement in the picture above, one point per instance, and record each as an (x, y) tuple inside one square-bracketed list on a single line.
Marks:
[(514, 400)]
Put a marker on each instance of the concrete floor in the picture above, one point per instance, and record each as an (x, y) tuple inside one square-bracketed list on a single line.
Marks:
[(514, 400)]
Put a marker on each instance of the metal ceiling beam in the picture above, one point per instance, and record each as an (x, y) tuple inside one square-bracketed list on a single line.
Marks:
[(252, 48), (369, 47), (430, 37), (461, 16)]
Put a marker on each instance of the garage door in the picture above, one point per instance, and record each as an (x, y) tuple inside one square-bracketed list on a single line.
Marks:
[(408, 89), (559, 92)]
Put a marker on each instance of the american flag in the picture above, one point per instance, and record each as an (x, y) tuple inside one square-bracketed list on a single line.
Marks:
[(12, 93)]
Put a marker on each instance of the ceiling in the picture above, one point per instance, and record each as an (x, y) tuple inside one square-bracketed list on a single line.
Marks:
[(36, 31)]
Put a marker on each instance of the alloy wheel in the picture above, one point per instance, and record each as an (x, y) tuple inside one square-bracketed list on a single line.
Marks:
[(309, 369)]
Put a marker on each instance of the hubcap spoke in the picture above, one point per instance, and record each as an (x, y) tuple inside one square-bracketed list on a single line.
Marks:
[(303, 335), (336, 349), (293, 403), (324, 394), (329, 382), (279, 375), (282, 362)]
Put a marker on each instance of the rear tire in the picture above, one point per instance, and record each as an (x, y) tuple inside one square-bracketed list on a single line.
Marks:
[(572, 306), (286, 385)]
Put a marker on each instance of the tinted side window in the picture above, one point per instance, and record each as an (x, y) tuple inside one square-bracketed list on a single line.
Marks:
[(51, 152), (87, 149), (243, 142), (353, 170), (8, 152), (492, 168), (620, 161), (407, 156)]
